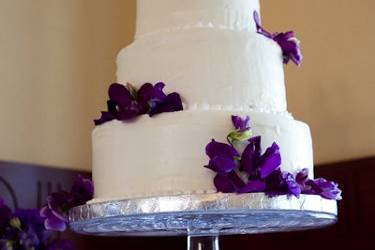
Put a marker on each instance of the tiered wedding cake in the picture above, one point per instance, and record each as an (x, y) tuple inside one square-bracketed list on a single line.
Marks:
[(209, 52)]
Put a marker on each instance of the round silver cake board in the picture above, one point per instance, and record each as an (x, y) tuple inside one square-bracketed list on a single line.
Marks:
[(203, 215)]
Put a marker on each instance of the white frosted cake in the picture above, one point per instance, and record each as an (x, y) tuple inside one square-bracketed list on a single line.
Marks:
[(210, 53)]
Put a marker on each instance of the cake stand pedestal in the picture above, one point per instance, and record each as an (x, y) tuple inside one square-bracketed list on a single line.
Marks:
[(203, 217)]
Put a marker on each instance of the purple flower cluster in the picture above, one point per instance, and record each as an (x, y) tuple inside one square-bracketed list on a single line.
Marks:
[(55, 213), (23, 229), (320, 186), (125, 102), (289, 44), (254, 171)]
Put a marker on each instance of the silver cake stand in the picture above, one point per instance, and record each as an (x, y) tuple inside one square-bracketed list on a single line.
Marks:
[(203, 217)]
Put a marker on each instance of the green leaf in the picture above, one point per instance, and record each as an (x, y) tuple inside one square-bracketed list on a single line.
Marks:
[(239, 135)]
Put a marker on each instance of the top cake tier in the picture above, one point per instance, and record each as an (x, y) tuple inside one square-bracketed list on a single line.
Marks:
[(166, 15)]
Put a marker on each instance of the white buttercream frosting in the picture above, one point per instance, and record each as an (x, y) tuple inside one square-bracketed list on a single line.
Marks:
[(166, 15), (165, 155), (207, 51), (210, 67)]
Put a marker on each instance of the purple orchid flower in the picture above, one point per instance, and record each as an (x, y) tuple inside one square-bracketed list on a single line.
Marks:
[(302, 176), (24, 229), (241, 124), (270, 161), (5, 214), (326, 189), (228, 183), (264, 170), (59, 203), (282, 183), (55, 213), (257, 165), (222, 157), (223, 161), (161, 103), (251, 156), (122, 105), (289, 44), (82, 190), (126, 103), (252, 171), (242, 130)]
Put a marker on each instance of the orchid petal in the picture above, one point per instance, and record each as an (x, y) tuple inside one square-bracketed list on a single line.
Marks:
[(271, 160), (224, 184), (287, 41), (145, 93), (302, 176), (282, 183), (257, 20), (327, 189), (290, 47), (82, 190), (274, 183), (215, 148), (292, 186), (253, 186), (159, 93), (52, 222), (221, 164), (105, 117), (251, 155), (259, 27), (229, 183), (239, 123), (112, 107), (44, 211), (236, 180), (119, 94), (170, 103)]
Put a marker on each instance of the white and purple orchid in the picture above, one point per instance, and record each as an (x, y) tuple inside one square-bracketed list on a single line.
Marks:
[(289, 44), (125, 102), (251, 171), (320, 186), (55, 213), (242, 130), (24, 229)]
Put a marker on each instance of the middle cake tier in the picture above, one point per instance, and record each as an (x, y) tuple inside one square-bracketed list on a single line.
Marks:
[(228, 69), (165, 155)]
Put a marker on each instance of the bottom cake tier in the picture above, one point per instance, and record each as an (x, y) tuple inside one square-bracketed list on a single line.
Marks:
[(165, 155)]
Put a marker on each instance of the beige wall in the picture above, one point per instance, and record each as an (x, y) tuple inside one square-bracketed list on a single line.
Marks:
[(334, 90), (57, 58)]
